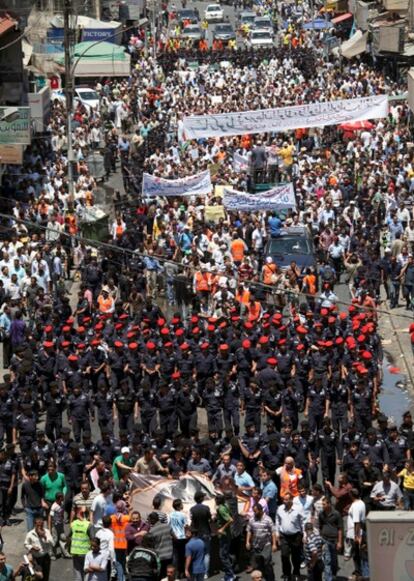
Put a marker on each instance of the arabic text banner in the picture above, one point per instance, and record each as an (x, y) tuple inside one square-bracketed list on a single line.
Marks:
[(197, 185), (281, 197), (285, 118)]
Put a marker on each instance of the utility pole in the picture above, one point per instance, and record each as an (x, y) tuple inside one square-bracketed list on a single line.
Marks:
[(67, 41)]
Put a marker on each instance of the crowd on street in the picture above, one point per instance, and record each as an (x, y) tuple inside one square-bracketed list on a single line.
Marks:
[(186, 348)]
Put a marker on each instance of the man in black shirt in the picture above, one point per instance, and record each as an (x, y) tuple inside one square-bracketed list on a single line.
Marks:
[(32, 497), (330, 528), (201, 520)]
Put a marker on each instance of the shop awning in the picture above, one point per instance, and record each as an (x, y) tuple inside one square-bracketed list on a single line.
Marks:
[(342, 18)]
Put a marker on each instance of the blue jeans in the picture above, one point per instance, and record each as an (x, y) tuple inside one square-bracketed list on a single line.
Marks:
[(31, 514), (207, 543), (330, 560), (119, 571), (408, 499)]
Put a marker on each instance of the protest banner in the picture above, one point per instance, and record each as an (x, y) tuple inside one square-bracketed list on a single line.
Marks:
[(281, 197), (214, 213), (286, 118), (197, 185)]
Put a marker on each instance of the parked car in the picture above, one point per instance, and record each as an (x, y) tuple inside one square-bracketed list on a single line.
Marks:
[(214, 13), (294, 243), (259, 38), (193, 32), (263, 23), (189, 14), (224, 32), (88, 97)]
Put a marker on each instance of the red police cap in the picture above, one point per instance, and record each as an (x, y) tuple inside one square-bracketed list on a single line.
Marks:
[(324, 312), (339, 341), (150, 345), (81, 346), (81, 329), (165, 331), (272, 361), (301, 330), (248, 325), (118, 344), (246, 344), (95, 342), (331, 320), (48, 329), (300, 347), (224, 347), (366, 355), (263, 340), (66, 329), (175, 320), (205, 346), (123, 316), (210, 328), (65, 343), (282, 342), (73, 358), (168, 344), (184, 346), (328, 343), (343, 316), (70, 321), (48, 344), (133, 346), (176, 375), (118, 326), (160, 322), (179, 332), (194, 319), (195, 331)]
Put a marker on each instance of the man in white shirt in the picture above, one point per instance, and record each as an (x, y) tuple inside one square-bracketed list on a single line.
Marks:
[(354, 524)]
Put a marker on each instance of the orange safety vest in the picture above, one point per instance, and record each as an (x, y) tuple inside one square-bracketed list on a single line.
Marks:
[(289, 481), (237, 250), (310, 281), (118, 526), (202, 281), (243, 297), (269, 270), (254, 310), (105, 304), (119, 230)]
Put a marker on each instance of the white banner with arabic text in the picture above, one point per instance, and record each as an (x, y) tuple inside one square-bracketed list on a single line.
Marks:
[(286, 118), (281, 197), (197, 185)]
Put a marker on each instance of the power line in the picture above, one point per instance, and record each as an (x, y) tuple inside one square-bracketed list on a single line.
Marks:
[(271, 290)]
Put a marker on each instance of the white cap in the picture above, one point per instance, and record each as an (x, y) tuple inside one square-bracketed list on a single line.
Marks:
[(125, 450), (269, 260)]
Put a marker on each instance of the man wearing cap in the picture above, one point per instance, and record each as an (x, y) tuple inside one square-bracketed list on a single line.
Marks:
[(122, 464), (166, 402)]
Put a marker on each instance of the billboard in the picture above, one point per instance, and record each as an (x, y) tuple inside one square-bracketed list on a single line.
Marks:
[(11, 154), (15, 125)]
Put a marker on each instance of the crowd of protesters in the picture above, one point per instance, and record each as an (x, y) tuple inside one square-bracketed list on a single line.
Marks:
[(259, 379)]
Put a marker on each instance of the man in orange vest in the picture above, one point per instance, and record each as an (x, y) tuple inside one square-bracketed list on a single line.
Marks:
[(237, 249), (202, 282), (289, 477), (119, 521)]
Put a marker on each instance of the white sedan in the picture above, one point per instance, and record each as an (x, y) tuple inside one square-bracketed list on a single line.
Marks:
[(214, 13)]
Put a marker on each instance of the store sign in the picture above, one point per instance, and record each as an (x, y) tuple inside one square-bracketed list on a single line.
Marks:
[(15, 125)]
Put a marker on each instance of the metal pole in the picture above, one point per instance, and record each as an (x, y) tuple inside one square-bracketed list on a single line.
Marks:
[(98, 9), (67, 40)]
